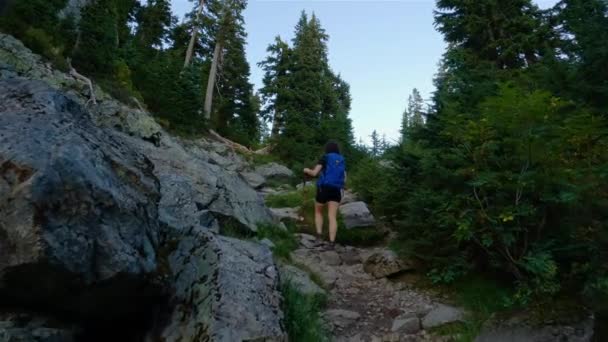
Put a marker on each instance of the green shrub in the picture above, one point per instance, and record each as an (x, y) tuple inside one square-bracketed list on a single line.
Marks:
[(303, 319), (517, 189), (284, 240)]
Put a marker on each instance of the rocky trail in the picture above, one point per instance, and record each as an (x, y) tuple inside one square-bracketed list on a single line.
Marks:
[(363, 304)]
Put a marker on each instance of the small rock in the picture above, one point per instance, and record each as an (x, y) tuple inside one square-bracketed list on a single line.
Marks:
[(331, 258), (390, 338), (357, 215), (407, 324), (385, 263), (442, 314), (350, 257), (341, 318), (329, 277)]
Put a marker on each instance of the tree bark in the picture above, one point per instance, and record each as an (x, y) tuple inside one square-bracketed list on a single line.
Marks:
[(190, 50), (211, 80)]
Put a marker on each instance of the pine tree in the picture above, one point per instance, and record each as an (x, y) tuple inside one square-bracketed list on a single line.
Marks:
[(486, 27), (235, 115), (275, 92), (584, 40), (376, 148), (405, 124), (154, 21), (415, 109)]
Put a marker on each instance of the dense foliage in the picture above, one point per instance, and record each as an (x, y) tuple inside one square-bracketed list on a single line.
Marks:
[(136, 50), (507, 173), (306, 101)]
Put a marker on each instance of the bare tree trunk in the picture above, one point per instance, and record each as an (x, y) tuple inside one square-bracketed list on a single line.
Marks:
[(211, 80), (84, 79), (190, 50)]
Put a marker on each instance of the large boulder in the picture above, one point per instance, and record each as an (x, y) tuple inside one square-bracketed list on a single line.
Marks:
[(94, 201), (78, 214), (357, 215), (255, 180), (443, 314), (225, 290), (274, 171), (385, 263)]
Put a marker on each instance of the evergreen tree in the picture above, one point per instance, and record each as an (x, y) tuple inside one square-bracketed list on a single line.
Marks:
[(275, 92), (415, 108), (104, 30), (308, 102), (154, 22), (235, 115), (583, 26), (376, 148), (485, 27)]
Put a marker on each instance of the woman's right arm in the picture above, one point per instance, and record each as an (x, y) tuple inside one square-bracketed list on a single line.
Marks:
[(314, 172)]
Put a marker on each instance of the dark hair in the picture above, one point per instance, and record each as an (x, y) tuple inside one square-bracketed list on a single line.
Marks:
[(332, 147)]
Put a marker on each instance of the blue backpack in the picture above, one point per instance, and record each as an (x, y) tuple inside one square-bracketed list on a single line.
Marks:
[(332, 174)]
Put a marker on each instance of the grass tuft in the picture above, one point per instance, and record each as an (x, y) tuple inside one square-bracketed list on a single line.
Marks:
[(287, 200), (303, 318), (284, 240)]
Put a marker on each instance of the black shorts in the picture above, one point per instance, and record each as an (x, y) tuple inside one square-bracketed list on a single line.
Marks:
[(328, 194)]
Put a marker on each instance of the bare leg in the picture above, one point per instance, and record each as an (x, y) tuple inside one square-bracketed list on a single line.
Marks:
[(319, 218), (333, 222)]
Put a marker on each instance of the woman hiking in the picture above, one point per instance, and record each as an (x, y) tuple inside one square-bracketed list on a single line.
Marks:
[(331, 169)]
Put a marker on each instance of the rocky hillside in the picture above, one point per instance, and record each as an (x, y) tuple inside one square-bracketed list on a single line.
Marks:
[(110, 228)]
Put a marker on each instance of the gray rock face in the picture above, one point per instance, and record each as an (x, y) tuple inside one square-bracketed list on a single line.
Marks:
[(342, 318), (267, 242), (274, 171), (92, 198), (442, 314), (226, 290), (385, 263), (77, 205), (194, 192), (300, 279), (357, 215)]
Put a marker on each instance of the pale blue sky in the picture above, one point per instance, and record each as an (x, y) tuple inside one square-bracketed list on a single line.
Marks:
[(383, 49)]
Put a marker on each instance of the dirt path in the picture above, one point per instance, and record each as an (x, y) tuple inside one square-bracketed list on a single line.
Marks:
[(360, 306)]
